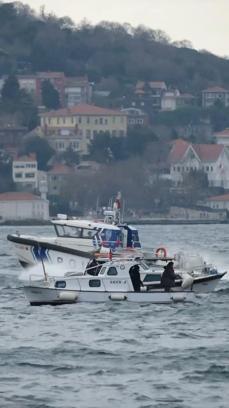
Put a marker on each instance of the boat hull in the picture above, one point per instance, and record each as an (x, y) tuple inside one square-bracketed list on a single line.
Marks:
[(31, 252), (38, 296)]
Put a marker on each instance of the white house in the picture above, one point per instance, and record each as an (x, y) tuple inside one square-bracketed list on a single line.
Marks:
[(169, 100), (222, 137), (25, 172), (213, 159), (220, 202), (23, 206)]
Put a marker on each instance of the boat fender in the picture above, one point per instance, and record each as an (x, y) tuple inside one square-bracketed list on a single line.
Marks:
[(178, 297), (117, 296), (187, 282), (69, 296), (161, 252)]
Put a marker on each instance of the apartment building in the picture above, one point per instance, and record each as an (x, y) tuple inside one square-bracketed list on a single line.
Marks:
[(80, 124)]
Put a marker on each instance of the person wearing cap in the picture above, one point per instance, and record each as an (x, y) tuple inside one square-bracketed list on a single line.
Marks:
[(168, 277)]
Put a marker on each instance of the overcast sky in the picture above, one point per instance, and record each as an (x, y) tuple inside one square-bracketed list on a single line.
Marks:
[(204, 22)]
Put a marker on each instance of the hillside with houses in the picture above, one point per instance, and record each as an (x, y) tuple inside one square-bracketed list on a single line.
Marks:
[(86, 111)]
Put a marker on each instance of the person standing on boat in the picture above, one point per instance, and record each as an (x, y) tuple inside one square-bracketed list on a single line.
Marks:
[(135, 278), (168, 277), (92, 267)]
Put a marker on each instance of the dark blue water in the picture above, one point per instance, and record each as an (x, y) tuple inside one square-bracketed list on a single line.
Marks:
[(117, 355)]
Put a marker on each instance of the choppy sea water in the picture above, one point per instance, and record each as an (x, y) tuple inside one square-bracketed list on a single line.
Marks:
[(117, 355)]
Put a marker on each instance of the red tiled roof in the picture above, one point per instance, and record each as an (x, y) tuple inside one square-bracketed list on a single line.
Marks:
[(152, 84), (178, 150), (223, 197), (215, 89), (208, 152), (61, 169), (18, 196), (84, 109), (30, 158), (205, 152), (224, 133)]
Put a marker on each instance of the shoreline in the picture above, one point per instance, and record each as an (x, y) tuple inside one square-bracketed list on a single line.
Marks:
[(149, 221)]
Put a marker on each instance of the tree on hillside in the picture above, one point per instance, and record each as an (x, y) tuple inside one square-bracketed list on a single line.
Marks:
[(41, 148), (50, 96), (105, 148), (10, 93), (69, 157), (18, 103), (138, 139), (27, 110)]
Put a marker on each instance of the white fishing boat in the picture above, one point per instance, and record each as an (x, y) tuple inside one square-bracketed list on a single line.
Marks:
[(116, 281)]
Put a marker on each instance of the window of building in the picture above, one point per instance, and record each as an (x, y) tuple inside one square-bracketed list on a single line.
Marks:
[(207, 168), (96, 121), (101, 121), (80, 119), (29, 175), (105, 121), (88, 133), (88, 119), (72, 120), (18, 175), (178, 168)]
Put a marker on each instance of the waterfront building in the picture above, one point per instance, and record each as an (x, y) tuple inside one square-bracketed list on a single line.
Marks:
[(17, 206), (25, 172)]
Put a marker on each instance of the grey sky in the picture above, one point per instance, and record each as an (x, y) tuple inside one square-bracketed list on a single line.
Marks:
[(204, 22)]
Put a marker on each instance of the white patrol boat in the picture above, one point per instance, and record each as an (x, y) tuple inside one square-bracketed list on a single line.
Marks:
[(116, 281), (75, 242)]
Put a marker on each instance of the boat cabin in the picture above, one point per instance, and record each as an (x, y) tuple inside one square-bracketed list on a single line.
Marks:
[(100, 234)]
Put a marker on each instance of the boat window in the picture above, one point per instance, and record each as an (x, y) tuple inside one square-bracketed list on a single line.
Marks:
[(135, 239), (153, 277), (88, 233), (94, 283), (112, 271), (111, 238), (59, 230), (103, 270), (144, 265), (60, 284), (68, 231)]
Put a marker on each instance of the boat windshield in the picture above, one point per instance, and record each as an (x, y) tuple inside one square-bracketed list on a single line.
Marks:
[(111, 238), (135, 239), (74, 232)]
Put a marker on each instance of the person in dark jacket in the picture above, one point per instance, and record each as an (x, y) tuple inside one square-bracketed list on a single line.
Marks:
[(168, 277), (135, 278), (92, 267)]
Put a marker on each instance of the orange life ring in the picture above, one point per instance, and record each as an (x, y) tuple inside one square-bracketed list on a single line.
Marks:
[(161, 252)]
